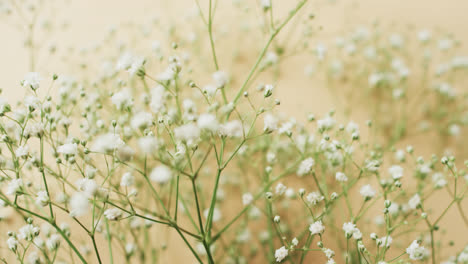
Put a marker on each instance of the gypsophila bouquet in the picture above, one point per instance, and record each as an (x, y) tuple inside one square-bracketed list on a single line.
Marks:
[(160, 151)]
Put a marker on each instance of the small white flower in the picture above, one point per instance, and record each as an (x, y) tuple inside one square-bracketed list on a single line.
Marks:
[(281, 253), (385, 241), (270, 123), (306, 166), (53, 242), (127, 179), (107, 143), (31, 80), (12, 243), (247, 198), (28, 232), (161, 174), (122, 99), (220, 78), (232, 129), (341, 177), (79, 204), (349, 228), (15, 186), (415, 251), (22, 151), (316, 228), (367, 191), (208, 122), (42, 198), (314, 198), (70, 149), (280, 188), (141, 120), (113, 214), (148, 144), (188, 133), (414, 202), (396, 172)]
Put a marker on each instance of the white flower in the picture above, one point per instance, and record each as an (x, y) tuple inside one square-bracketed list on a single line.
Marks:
[(325, 123), (107, 143), (439, 180), (113, 214), (127, 179), (31, 80), (42, 198), (424, 35), (161, 174), (415, 251), (316, 228), (385, 241), (136, 65), (28, 232), (247, 198), (367, 191), (14, 187), (265, 4), (208, 122), (270, 123), (157, 99), (306, 166), (69, 149), (314, 198), (280, 188), (130, 248), (141, 120), (188, 133), (22, 151), (79, 204), (220, 78), (53, 242), (88, 186), (122, 99), (268, 90), (281, 253), (232, 129), (414, 201), (329, 253), (341, 177), (400, 155), (396, 172), (148, 144), (12, 243), (350, 229)]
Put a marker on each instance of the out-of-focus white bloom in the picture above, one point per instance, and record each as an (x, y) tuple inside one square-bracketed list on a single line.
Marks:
[(33, 129), (161, 174), (270, 123), (400, 155), (127, 179), (280, 188), (22, 151), (107, 143), (28, 232), (188, 133), (341, 177), (42, 198), (232, 128), (247, 198), (415, 251), (15, 186), (88, 186), (79, 204), (130, 248), (326, 123), (268, 90), (414, 202), (32, 80), (157, 99), (69, 149), (148, 144), (122, 99), (439, 180), (349, 228), (314, 198), (396, 40), (113, 214), (220, 78), (316, 228), (53, 242), (208, 122), (367, 191), (136, 65), (396, 172), (281, 253), (141, 120), (12, 243), (266, 4), (305, 167), (385, 241), (424, 35)]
